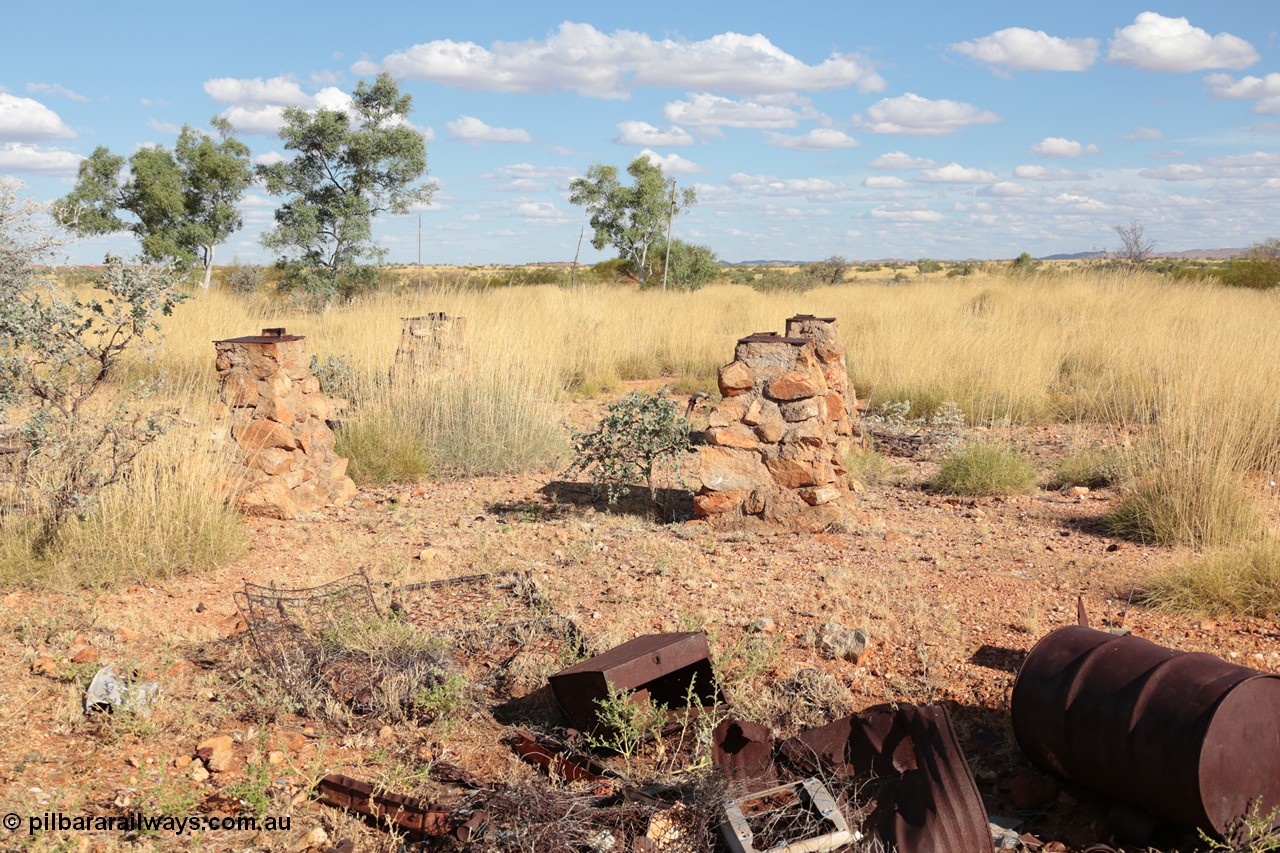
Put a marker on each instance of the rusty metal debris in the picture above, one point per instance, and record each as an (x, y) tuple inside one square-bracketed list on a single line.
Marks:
[(274, 335), (798, 817), (662, 669), (743, 752), (1186, 736), (926, 798), (417, 817), (773, 338), (557, 761)]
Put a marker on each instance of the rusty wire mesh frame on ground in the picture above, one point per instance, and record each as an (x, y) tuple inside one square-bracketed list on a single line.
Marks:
[(293, 633), (535, 630)]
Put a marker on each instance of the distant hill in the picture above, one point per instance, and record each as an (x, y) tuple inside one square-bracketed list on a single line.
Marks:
[(1188, 255)]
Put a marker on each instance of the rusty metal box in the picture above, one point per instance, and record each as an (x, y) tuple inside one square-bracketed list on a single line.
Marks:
[(661, 669)]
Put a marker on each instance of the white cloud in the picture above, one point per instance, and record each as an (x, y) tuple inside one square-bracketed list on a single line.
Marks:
[(1176, 172), (269, 158), (818, 139), (265, 120), (277, 91), (580, 58), (539, 212), (673, 164), (521, 185), (884, 182), (1056, 146), (913, 115), (1143, 133), (163, 126), (56, 89), (528, 170), (896, 215), (954, 173), (27, 120), (1042, 173), (1008, 189), (472, 130), (1264, 90), (1237, 161), (703, 109), (1031, 50), (900, 160), (32, 159), (643, 133), (1156, 43), (767, 185)]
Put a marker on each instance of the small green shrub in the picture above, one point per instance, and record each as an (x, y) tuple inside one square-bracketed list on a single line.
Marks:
[(1168, 507), (780, 281), (1243, 581), (245, 279), (636, 434), (985, 469), (1092, 467)]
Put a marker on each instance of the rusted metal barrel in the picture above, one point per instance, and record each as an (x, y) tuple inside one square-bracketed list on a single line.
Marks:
[(1185, 736)]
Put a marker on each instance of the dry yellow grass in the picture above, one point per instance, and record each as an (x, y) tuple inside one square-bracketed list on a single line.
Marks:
[(1189, 365)]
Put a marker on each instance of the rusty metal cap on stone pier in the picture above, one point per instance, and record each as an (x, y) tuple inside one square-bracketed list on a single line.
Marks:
[(773, 338), (273, 335), (803, 317)]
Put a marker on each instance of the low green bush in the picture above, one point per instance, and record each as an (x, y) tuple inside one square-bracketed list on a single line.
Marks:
[(985, 468), (1243, 581)]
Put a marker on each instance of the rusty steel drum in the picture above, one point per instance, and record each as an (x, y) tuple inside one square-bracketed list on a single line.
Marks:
[(1185, 736)]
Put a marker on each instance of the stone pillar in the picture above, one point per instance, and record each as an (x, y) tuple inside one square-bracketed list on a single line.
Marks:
[(429, 345), (769, 446), (842, 402), (274, 411)]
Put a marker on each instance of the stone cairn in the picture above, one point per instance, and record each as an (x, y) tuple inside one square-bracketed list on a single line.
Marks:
[(275, 413), (430, 346), (776, 445)]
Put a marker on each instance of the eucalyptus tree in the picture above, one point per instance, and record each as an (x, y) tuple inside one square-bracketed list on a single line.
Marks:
[(348, 166), (632, 218), (180, 204)]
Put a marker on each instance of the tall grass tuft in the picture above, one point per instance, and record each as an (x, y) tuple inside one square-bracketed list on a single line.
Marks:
[(170, 515), (1241, 581), (983, 469)]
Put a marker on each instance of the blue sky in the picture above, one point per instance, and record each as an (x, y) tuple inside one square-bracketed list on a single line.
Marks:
[(945, 130)]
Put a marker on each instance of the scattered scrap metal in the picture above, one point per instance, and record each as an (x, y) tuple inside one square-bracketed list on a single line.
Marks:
[(1186, 737)]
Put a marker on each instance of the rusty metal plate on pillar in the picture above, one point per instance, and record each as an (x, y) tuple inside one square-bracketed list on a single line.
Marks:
[(1186, 736), (773, 338), (661, 668), (927, 799)]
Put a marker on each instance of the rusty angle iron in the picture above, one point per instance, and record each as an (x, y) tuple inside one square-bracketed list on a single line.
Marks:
[(927, 799), (1186, 736), (417, 817), (660, 668), (773, 338), (556, 760)]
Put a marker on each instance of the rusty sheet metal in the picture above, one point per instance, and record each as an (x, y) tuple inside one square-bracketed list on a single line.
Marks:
[(773, 338), (1186, 736), (800, 318), (659, 667), (416, 817), (927, 799), (743, 752), (275, 335), (556, 760)]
